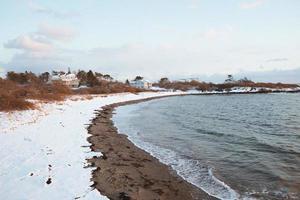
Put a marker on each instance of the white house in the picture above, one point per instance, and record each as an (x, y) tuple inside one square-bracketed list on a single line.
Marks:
[(68, 79), (143, 84)]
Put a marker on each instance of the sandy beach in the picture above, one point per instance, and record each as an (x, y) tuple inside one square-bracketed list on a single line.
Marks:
[(150, 100), (127, 172)]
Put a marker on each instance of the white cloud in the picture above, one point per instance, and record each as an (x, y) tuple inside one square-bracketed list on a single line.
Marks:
[(284, 76), (38, 8), (30, 43), (38, 61), (39, 50), (218, 33), (194, 4), (278, 60), (56, 32), (40, 44), (153, 62), (188, 57), (252, 4)]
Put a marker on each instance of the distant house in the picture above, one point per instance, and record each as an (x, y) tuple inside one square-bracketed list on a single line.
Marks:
[(143, 84), (68, 79)]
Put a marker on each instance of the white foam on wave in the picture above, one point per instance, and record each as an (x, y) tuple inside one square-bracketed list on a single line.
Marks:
[(191, 170)]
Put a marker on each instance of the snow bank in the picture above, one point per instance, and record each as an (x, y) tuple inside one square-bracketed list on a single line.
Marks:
[(43, 152)]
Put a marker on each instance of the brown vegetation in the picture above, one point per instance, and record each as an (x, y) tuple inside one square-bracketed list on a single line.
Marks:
[(15, 96), (18, 88), (105, 87), (10, 97), (204, 86)]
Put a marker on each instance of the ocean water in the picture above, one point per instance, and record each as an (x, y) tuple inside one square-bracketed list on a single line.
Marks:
[(231, 146)]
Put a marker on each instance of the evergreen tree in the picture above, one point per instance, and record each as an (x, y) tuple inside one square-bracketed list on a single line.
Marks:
[(138, 78), (44, 77), (82, 76), (164, 80), (91, 79)]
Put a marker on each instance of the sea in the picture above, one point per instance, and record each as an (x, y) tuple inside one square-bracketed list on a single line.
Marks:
[(239, 146)]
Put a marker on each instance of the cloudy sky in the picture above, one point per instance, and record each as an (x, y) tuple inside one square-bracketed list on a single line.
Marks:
[(153, 38)]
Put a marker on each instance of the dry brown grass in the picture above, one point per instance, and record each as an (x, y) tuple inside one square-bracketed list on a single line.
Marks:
[(14, 96), (8, 103), (10, 97), (107, 88), (184, 86)]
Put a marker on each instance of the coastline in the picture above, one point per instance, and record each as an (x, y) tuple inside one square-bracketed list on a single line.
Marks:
[(125, 171), (54, 146), (44, 136)]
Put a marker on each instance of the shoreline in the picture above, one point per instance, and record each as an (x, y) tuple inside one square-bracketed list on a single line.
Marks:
[(125, 171), (53, 141), (45, 135)]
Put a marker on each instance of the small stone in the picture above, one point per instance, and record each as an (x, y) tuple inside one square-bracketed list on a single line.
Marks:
[(124, 196), (49, 181)]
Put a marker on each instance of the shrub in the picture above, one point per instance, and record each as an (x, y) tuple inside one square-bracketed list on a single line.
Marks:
[(19, 87), (8, 103), (203, 86), (12, 97)]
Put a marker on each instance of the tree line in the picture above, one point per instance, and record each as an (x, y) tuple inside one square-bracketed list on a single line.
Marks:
[(17, 88), (89, 78), (229, 83)]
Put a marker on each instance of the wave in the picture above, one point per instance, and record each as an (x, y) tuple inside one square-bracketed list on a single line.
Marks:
[(256, 152), (252, 142), (190, 169)]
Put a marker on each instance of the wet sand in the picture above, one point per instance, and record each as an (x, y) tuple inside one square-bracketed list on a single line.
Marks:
[(128, 172)]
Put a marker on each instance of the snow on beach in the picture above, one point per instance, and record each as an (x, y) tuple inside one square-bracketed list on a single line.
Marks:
[(43, 152)]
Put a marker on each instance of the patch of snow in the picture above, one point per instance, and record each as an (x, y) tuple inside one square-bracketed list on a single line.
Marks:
[(241, 90), (194, 91), (159, 88), (43, 152)]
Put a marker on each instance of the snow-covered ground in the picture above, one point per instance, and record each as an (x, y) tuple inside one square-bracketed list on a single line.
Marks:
[(257, 89), (43, 152)]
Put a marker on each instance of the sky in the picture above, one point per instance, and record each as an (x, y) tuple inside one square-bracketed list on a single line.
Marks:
[(153, 38)]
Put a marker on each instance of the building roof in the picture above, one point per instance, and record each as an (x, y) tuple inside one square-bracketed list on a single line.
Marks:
[(64, 77)]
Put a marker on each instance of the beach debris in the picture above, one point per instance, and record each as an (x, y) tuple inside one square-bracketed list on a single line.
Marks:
[(104, 157), (49, 181), (124, 196)]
